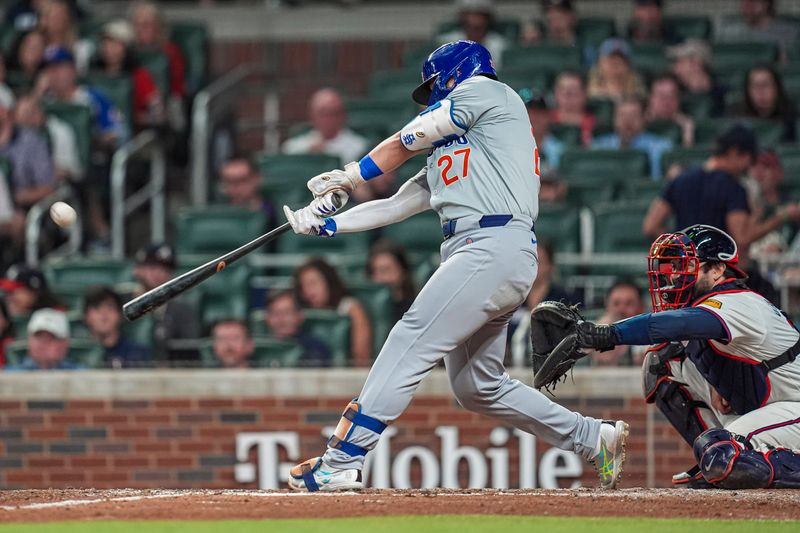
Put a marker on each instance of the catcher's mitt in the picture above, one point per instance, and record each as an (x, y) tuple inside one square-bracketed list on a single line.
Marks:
[(554, 342)]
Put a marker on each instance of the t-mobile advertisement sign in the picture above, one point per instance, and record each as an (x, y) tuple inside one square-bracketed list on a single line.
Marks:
[(387, 467)]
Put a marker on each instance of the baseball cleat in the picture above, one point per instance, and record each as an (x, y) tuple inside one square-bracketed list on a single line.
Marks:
[(611, 452), (314, 475), (691, 479)]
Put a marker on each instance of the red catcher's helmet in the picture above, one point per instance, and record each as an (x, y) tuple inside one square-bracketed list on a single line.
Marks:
[(675, 258)]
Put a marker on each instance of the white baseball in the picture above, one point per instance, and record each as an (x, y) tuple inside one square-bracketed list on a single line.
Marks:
[(63, 214)]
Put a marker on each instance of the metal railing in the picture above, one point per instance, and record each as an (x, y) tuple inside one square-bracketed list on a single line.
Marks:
[(148, 145), (33, 228), (210, 105)]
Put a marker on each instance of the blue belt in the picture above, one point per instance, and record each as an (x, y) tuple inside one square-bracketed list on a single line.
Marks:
[(486, 221)]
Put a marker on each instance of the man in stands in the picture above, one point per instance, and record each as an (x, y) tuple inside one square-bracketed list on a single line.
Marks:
[(233, 343), (48, 342)]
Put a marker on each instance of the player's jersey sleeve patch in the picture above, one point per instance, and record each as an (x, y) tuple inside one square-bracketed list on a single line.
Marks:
[(712, 303)]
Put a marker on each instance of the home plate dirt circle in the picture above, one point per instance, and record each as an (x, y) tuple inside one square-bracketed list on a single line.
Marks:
[(132, 504)]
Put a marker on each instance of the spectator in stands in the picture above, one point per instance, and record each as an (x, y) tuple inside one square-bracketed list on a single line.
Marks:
[(27, 55), (26, 291), (32, 171), (546, 286), (570, 97), (241, 186), (550, 147), (388, 263), (629, 134), (48, 342), (317, 285), (768, 174), (664, 105), (60, 30), (560, 28), (613, 76), (177, 320), (116, 58), (623, 300), (232, 343), (329, 133), (714, 195), (102, 314), (553, 188), (7, 331), (757, 21), (63, 144), (691, 64), (647, 23), (284, 319), (765, 98), (59, 82), (476, 21)]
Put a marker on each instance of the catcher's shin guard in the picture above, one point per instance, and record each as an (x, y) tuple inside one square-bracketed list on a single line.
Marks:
[(729, 462), (352, 418)]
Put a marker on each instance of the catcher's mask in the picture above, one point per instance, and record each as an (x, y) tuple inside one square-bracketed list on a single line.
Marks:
[(675, 260)]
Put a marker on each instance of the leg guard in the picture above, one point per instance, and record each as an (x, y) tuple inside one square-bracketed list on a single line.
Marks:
[(676, 402), (352, 418), (729, 463)]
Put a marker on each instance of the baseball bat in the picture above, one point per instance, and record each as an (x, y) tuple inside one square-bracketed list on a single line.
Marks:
[(163, 293)]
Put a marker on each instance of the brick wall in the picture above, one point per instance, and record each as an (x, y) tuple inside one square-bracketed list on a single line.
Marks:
[(190, 442)]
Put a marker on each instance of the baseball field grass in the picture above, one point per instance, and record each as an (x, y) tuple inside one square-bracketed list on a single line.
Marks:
[(417, 524)]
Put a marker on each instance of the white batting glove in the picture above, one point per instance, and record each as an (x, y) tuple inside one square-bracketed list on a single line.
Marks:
[(305, 222), (336, 180), (325, 206)]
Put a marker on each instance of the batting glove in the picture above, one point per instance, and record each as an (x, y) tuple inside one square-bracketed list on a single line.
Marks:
[(330, 203), (336, 180), (305, 222)]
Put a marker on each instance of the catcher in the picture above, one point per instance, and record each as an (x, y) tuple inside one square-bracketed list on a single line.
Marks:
[(723, 367)]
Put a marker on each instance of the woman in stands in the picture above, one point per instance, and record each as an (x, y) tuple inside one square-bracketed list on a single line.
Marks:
[(766, 98), (60, 30), (614, 76), (387, 263), (27, 56), (318, 286)]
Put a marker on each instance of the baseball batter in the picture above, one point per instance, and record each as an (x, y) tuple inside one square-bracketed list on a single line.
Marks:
[(725, 374), (481, 177)]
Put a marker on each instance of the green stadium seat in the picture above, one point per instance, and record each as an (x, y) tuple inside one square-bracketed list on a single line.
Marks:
[(118, 89), (520, 79), (587, 191), (372, 118), (281, 168), (83, 352), (768, 132), (396, 84), (791, 79), (269, 353), (408, 170), (559, 225), (697, 105), (413, 58), (603, 110), (593, 31), (616, 165), (684, 157), (140, 330), (667, 129), (649, 58), (420, 233), (157, 63), (79, 118), (790, 159), (688, 27), (617, 227), (19, 82), (377, 300), (217, 229), (80, 274), (8, 34), (225, 294), (738, 57), (192, 38), (641, 190), (542, 58), (333, 329), (355, 243), (569, 134)]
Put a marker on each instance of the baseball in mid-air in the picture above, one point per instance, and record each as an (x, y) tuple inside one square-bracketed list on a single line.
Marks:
[(63, 214)]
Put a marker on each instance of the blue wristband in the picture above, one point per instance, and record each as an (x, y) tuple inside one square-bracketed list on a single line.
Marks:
[(368, 168), (329, 228)]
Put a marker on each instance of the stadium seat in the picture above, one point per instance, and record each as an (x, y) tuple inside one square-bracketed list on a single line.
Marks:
[(592, 31), (225, 294), (79, 118), (587, 190), (768, 132), (667, 129), (519, 79), (140, 330), (377, 300), (192, 38), (374, 118), (80, 274), (269, 353), (118, 89), (408, 170), (617, 227), (542, 58), (732, 59), (157, 63), (603, 110), (569, 134), (649, 58), (420, 233), (560, 226), (604, 164), (355, 243), (217, 229), (688, 27), (283, 168), (83, 352), (791, 79), (790, 159), (641, 190), (333, 329), (396, 84), (684, 157), (8, 34), (413, 58), (697, 105)]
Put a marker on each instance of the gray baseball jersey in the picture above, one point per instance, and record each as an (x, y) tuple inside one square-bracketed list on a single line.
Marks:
[(493, 168)]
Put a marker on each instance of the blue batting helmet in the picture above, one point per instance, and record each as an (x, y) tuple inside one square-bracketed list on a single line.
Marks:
[(459, 61)]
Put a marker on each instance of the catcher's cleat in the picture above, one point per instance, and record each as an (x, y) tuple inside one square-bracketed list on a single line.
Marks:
[(611, 452), (314, 475), (691, 479)]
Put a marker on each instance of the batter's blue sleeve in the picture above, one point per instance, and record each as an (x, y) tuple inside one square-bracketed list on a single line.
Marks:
[(676, 325)]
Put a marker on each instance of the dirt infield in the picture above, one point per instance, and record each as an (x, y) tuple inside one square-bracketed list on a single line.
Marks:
[(75, 504)]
